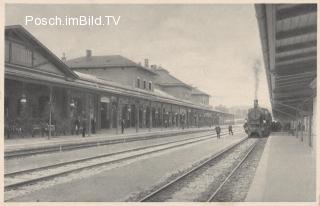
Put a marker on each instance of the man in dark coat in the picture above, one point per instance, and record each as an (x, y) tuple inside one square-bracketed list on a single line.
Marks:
[(218, 130), (122, 126), (230, 130)]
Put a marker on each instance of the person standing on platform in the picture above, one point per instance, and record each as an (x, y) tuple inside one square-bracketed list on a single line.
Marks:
[(230, 130), (122, 126), (77, 125), (93, 126)]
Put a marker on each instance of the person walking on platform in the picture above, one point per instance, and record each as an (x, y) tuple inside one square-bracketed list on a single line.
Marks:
[(218, 130), (230, 130)]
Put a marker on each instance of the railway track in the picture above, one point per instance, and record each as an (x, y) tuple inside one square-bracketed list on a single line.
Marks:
[(20, 179), (165, 192), (82, 145), (212, 197)]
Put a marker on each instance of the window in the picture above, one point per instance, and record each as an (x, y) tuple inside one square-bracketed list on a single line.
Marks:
[(21, 55), (150, 85), (7, 50), (138, 82), (144, 84)]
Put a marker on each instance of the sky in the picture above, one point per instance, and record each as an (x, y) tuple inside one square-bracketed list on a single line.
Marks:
[(212, 47)]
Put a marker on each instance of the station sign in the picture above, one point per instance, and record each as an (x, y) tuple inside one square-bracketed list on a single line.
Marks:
[(105, 99)]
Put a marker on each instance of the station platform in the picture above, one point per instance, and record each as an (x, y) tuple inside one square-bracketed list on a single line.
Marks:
[(18, 144), (286, 172)]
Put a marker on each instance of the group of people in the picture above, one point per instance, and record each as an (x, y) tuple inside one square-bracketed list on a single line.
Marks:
[(218, 131), (81, 126)]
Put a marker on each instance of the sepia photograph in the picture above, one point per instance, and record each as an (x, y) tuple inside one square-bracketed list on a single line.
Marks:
[(160, 102)]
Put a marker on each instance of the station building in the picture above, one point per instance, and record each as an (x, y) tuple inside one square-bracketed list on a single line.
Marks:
[(45, 94)]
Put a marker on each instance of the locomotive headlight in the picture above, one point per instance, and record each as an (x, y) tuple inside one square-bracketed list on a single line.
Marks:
[(264, 121)]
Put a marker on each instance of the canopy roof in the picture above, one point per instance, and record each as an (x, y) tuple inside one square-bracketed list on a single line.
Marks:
[(288, 35)]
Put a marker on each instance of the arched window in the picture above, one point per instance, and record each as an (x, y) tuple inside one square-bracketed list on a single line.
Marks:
[(150, 85), (144, 84)]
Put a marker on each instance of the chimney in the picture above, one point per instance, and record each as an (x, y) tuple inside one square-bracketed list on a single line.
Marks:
[(154, 66), (64, 58), (89, 53), (146, 63)]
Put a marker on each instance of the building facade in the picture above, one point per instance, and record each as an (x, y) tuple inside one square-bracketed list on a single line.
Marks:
[(44, 96)]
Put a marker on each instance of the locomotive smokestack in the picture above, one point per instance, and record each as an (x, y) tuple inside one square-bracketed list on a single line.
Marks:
[(255, 103)]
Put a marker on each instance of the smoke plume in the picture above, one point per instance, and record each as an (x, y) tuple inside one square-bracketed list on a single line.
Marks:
[(256, 70)]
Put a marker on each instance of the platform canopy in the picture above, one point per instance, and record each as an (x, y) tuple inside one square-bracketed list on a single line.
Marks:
[(288, 35)]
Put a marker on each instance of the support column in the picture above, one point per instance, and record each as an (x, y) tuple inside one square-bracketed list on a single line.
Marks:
[(137, 115), (88, 108), (171, 119), (68, 111), (161, 115), (150, 116), (179, 117), (198, 120), (67, 93), (310, 129), (187, 117), (110, 113), (98, 123), (117, 115)]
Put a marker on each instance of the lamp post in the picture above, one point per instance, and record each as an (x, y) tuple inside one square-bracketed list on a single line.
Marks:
[(129, 115), (23, 111), (50, 112)]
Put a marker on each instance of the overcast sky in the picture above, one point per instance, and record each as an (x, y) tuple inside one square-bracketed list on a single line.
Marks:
[(212, 47)]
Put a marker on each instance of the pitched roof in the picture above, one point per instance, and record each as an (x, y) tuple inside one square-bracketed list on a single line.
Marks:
[(104, 62), (164, 78), (196, 91), (27, 36)]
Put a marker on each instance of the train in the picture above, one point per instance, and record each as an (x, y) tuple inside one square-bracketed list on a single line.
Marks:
[(258, 122)]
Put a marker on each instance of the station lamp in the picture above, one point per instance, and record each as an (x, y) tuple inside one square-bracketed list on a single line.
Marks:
[(72, 104), (23, 99)]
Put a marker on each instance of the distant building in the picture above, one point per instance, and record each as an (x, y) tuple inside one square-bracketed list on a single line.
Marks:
[(199, 97), (114, 68), (170, 84)]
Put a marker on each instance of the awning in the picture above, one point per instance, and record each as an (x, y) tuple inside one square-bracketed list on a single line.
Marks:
[(288, 35)]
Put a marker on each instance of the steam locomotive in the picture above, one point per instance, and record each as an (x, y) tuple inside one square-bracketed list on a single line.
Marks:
[(258, 121)]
